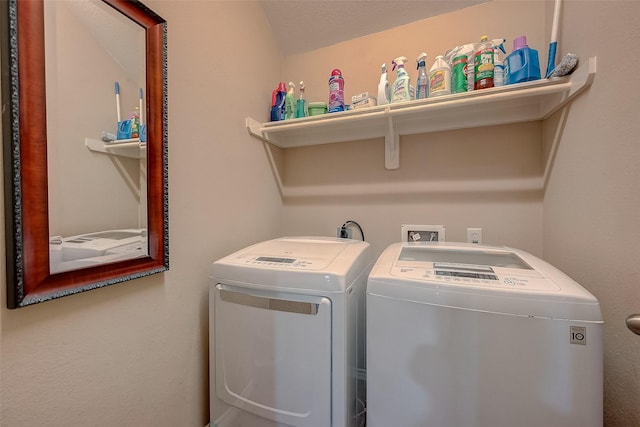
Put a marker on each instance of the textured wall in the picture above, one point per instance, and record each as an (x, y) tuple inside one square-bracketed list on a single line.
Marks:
[(135, 354), (592, 202), (483, 177)]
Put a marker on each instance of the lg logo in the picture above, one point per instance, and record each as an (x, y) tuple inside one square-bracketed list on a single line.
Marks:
[(578, 335)]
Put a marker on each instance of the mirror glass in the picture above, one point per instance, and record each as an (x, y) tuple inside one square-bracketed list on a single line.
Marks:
[(95, 80)]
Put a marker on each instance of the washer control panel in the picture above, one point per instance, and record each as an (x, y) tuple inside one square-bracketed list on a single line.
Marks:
[(470, 276)]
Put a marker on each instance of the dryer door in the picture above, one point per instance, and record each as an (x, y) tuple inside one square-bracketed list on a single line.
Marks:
[(273, 354)]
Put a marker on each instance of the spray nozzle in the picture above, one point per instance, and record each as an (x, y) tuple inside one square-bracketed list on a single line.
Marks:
[(422, 58), (384, 68), (399, 62), (499, 44)]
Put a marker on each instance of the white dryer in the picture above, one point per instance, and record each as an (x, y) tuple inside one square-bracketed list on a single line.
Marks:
[(468, 335), (287, 333)]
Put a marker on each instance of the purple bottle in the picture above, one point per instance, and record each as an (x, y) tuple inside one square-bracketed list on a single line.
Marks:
[(336, 91)]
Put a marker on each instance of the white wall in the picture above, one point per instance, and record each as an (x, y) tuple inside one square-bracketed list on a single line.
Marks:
[(135, 354), (592, 204)]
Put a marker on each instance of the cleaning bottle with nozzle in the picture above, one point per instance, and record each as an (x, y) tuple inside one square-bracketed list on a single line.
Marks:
[(498, 62), (384, 91), (483, 64), (401, 87), (422, 82), (301, 103), (290, 102)]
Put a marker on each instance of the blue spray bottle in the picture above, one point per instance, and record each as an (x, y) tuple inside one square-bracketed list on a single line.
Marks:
[(422, 82), (278, 98)]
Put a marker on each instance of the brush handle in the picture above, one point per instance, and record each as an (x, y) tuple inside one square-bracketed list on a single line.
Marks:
[(551, 59), (141, 109), (118, 101), (556, 22)]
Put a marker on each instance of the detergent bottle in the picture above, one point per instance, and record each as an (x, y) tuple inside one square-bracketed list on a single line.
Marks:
[(135, 123), (440, 77), (422, 82), (278, 97), (301, 104), (522, 65), (384, 91), (483, 64), (402, 86), (498, 62), (289, 102), (336, 91)]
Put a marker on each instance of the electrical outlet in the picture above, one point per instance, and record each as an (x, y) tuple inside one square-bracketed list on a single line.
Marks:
[(474, 235), (422, 233), (345, 232)]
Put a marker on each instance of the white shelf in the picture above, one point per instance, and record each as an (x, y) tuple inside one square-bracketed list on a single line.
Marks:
[(522, 102), (131, 148)]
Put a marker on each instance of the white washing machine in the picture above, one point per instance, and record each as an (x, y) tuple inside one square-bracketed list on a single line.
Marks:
[(465, 335), (287, 333)]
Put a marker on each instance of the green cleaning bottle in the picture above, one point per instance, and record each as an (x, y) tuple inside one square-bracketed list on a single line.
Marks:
[(289, 102), (301, 104)]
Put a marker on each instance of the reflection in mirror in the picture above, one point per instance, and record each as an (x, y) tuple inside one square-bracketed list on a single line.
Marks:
[(95, 75), (86, 196)]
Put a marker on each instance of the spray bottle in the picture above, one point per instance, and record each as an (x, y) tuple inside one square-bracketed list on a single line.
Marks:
[(483, 64), (401, 87), (289, 109), (301, 104), (277, 102), (422, 82), (384, 91), (498, 62)]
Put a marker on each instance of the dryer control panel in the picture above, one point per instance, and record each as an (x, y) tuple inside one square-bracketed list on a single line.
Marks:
[(268, 261)]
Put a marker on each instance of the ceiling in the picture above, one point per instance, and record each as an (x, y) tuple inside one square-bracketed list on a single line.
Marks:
[(303, 25)]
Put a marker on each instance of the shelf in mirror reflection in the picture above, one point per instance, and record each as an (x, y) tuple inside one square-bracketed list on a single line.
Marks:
[(132, 148)]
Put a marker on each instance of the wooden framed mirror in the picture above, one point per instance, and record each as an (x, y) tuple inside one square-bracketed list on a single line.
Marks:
[(47, 257)]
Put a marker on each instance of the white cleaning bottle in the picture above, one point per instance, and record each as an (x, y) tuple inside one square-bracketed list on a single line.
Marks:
[(384, 91), (440, 77), (401, 87), (422, 82)]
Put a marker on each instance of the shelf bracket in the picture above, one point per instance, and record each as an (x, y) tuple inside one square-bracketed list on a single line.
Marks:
[(391, 145), (255, 128), (580, 80)]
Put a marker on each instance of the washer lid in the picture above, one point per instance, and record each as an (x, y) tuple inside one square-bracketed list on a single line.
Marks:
[(502, 280)]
